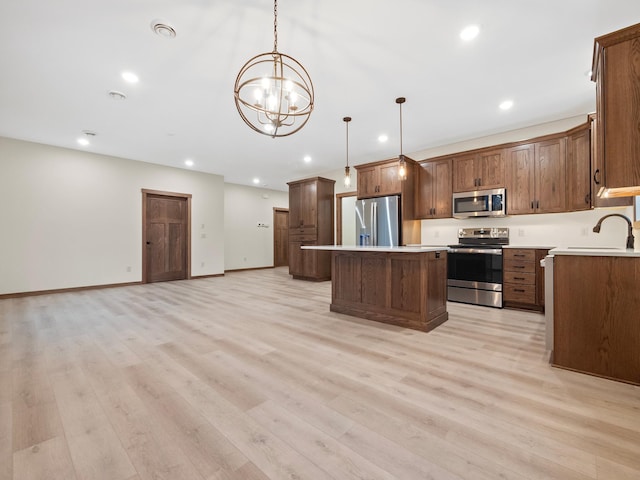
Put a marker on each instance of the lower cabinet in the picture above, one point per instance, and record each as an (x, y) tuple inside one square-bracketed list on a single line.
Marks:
[(596, 328), (405, 289), (523, 279), (309, 264)]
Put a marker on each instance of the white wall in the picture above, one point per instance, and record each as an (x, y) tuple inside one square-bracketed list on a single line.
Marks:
[(246, 244), (541, 230), (71, 218)]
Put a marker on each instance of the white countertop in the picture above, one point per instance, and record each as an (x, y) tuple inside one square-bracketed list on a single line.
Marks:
[(358, 248), (536, 247), (595, 252)]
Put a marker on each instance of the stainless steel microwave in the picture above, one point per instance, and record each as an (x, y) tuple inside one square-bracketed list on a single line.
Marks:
[(481, 203)]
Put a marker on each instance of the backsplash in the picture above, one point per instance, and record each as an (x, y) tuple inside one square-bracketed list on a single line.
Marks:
[(541, 230)]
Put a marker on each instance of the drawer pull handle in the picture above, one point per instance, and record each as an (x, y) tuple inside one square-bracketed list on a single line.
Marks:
[(518, 278), (518, 266), (518, 290)]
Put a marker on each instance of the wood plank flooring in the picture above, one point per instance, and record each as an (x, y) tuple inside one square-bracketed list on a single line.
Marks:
[(251, 377)]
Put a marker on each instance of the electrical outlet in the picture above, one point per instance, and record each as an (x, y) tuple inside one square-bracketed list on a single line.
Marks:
[(521, 232), (584, 232), (203, 235), (128, 269), (436, 234)]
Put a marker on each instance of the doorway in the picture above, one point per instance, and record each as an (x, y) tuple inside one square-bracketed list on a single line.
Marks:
[(346, 218), (166, 236), (280, 237)]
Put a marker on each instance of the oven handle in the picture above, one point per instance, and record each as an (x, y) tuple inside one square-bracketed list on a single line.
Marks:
[(488, 251)]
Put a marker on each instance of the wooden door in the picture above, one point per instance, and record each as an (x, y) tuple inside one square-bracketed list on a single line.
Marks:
[(491, 169), (550, 176), (520, 179), (166, 220), (280, 237), (465, 178)]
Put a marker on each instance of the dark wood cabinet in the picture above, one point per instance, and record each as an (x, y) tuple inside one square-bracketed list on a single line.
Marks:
[(378, 179), (433, 189), (408, 289), (579, 169), (596, 172), (596, 305), (523, 278), (310, 223), (536, 177), (479, 171), (616, 71)]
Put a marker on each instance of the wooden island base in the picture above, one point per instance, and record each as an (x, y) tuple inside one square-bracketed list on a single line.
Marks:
[(403, 286)]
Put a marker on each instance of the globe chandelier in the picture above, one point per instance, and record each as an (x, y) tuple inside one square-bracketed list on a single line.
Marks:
[(273, 91)]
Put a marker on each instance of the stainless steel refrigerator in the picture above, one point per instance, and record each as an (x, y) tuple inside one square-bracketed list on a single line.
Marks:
[(378, 221)]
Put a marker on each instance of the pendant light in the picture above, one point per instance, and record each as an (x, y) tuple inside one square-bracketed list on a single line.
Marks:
[(402, 164), (273, 91), (347, 173)]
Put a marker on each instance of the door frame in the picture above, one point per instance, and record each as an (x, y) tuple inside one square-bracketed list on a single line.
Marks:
[(275, 210), (145, 193), (339, 197)]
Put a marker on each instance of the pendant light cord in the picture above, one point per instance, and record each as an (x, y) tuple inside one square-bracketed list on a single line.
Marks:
[(347, 122), (275, 26), (400, 129)]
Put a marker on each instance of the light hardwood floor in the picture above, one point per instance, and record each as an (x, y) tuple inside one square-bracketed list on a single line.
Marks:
[(249, 376)]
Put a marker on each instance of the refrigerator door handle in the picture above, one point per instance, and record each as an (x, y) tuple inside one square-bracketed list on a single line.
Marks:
[(374, 223)]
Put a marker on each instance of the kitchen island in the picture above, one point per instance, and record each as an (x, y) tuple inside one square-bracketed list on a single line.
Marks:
[(404, 286), (595, 327)]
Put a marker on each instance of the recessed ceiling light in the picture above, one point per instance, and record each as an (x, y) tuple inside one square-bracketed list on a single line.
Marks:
[(117, 95), (470, 32), (163, 28), (256, 181), (83, 141), (130, 77), (188, 162), (506, 105), (383, 138), (307, 159)]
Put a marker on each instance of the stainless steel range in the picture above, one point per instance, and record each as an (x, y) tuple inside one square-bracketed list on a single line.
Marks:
[(474, 272)]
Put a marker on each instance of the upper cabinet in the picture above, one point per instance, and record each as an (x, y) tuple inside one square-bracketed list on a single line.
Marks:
[(479, 171), (536, 177), (616, 71), (579, 169), (433, 190), (378, 179), (596, 172)]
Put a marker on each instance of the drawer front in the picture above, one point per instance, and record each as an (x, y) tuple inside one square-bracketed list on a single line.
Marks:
[(517, 265), (519, 278), (519, 293), (298, 237), (515, 254), (303, 231)]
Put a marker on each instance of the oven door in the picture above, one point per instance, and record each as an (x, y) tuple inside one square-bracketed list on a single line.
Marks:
[(475, 276)]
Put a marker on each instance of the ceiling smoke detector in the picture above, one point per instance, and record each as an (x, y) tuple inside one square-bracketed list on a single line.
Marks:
[(163, 29), (117, 95)]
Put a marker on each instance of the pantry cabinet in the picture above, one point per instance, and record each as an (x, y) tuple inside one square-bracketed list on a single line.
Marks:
[(310, 223)]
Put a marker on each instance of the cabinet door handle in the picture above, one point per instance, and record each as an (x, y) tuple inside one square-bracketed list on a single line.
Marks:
[(596, 180), (532, 205), (587, 198), (479, 182), (537, 203)]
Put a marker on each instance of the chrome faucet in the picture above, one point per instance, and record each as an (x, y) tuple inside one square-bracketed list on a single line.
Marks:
[(630, 239)]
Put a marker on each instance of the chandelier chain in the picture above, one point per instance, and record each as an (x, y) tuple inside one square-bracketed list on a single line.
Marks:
[(275, 26)]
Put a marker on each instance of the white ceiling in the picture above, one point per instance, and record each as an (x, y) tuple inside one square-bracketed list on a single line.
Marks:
[(59, 58)]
